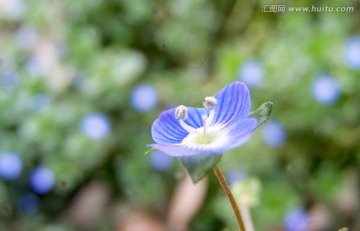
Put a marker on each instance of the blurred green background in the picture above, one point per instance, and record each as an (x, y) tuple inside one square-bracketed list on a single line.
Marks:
[(82, 81)]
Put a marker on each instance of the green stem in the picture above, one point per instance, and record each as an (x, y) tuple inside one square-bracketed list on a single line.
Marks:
[(229, 195)]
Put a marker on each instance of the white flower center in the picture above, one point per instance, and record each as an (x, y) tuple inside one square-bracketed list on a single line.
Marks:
[(213, 137), (205, 136)]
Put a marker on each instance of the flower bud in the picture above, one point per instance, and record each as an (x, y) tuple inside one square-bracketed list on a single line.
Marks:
[(210, 102), (181, 112)]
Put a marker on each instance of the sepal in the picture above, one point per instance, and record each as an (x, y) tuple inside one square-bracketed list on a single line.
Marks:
[(262, 114), (200, 165)]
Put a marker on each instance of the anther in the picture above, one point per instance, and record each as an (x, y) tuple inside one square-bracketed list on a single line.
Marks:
[(181, 112), (210, 102)]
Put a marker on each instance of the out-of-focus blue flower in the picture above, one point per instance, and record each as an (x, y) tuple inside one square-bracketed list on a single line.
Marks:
[(144, 97), (273, 133), (352, 52), (234, 176), (35, 67), (26, 37), (222, 125), (40, 102), (251, 73), (160, 161), (95, 126), (325, 89), (8, 80), (10, 165), (42, 180), (27, 204), (296, 220)]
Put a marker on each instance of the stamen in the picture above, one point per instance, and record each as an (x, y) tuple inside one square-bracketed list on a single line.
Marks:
[(204, 120), (210, 102), (211, 117), (181, 113), (188, 128)]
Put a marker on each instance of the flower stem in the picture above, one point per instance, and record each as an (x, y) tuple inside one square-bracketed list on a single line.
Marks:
[(229, 195)]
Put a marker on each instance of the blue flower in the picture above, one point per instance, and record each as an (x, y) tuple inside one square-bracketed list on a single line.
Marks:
[(296, 220), (10, 165), (352, 52), (8, 80), (273, 134), (144, 97), (40, 102), (34, 66), (95, 126), (42, 180), (325, 89), (221, 125), (234, 176), (28, 204), (26, 37), (251, 73), (160, 161)]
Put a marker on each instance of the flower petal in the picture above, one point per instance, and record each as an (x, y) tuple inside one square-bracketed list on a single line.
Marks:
[(167, 130), (233, 103), (176, 150), (235, 135), (194, 117), (240, 132)]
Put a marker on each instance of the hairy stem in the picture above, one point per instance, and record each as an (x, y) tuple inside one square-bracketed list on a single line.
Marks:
[(229, 195)]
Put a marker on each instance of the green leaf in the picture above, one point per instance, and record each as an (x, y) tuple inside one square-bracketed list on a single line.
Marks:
[(149, 151), (198, 166), (262, 114)]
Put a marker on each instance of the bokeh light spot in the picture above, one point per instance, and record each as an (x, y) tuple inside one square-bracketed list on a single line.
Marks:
[(95, 126), (42, 180), (10, 165), (144, 97)]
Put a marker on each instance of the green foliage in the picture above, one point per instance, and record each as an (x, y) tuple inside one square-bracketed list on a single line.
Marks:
[(88, 55)]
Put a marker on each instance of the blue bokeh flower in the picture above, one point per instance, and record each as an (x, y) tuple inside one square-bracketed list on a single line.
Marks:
[(234, 176), (325, 89), (160, 161), (35, 67), (95, 126), (28, 204), (10, 165), (40, 102), (251, 73), (144, 97), (296, 220), (42, 180), (273, 133), (352, 52), (26, 37), (222, 125), (8, 80)]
